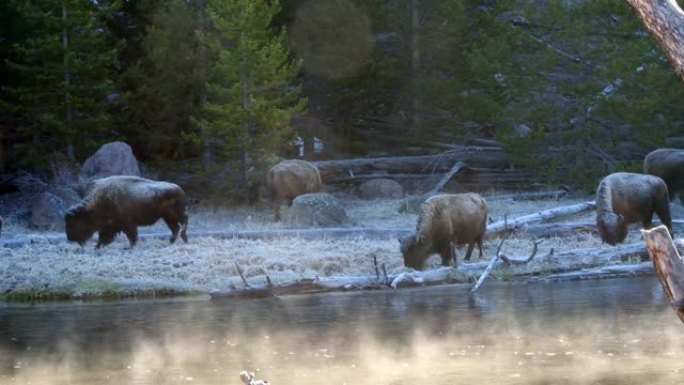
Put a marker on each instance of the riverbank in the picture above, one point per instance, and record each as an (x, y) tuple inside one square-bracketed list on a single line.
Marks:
[(231, 247)]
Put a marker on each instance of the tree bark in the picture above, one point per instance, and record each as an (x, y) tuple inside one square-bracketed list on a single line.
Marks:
[(664, 20), (668, 264)]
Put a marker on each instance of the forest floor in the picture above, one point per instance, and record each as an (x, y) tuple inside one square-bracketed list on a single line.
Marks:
[(43, 265)]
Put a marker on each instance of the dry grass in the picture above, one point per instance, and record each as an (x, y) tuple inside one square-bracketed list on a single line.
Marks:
[(205, 264)]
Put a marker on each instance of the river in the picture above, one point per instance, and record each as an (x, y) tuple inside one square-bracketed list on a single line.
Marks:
[(613, 331)]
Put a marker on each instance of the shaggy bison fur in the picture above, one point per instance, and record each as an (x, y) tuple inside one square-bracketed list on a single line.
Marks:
[(668, 164), (446, 221), (623, 198), (121, 204), (289, 179)]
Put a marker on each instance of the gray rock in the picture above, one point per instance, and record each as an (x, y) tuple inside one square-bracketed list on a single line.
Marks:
[(317, 209), (114, 158), (381, 189)]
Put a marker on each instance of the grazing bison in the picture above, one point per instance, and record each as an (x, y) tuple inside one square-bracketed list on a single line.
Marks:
[(668, 164), (289, 179), (623, 198), (444, 221), (122, 203)]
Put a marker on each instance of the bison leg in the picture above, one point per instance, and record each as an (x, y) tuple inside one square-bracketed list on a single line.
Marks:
[(452, 250), (448, 253), (174, 226), (105, 237), (471, 246), (178, 225), (479, 246), (276, 210), (131, 232), (662, 210)]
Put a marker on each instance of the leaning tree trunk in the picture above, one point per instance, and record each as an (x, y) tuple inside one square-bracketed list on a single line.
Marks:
[(664, 19), (669, 266)]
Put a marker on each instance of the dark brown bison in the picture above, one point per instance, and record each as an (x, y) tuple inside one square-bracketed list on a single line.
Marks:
[(444, 221), (121, 204), (623, 198), (289, 179), (667, 164)]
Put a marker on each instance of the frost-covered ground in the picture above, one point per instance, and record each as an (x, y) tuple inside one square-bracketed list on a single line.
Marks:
[(207, 263)]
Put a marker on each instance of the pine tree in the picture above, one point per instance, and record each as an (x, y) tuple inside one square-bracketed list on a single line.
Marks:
[(585, 78), (163, 86), (250, 97), (63, 73)]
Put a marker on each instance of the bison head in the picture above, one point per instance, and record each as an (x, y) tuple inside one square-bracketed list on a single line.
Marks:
[(611, 227), (414, 251), (79, 225)]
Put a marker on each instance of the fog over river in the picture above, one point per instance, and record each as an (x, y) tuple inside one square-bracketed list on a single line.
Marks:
[(613, 331)]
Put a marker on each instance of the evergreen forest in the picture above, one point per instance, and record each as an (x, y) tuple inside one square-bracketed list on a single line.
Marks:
[(212, 88)]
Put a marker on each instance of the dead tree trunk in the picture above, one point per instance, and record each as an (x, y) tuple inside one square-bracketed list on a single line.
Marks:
[(483, 157), (664, 20), (668, 264), (514, 223), (550, 263), (459, 166)]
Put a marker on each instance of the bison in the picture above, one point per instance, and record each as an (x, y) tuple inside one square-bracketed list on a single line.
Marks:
[(668, 164), (623, 198), (121, 204), (289, 179), (444, 221)]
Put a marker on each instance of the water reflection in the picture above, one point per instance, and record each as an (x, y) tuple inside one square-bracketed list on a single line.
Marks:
[(602, 332)]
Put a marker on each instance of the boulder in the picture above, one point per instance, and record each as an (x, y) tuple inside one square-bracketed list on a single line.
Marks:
[(381, 189), (316, 209), (114, 158), (47, 212)]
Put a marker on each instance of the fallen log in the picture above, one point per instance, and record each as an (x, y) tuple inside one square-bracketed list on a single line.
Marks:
[(522, 196), (545, 265), (510, 224), (545, 230), (484, 157), (458, 167), (506, 260), (611, 271), (668, 265), (474, 178)]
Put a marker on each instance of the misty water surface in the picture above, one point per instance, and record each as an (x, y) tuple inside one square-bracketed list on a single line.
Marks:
[(616, 331)]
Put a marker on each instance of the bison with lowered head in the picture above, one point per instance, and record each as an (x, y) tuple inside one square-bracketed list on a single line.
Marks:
[(668, 164), (290, 178), (122, 203), (446, 220), (623, 198)]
